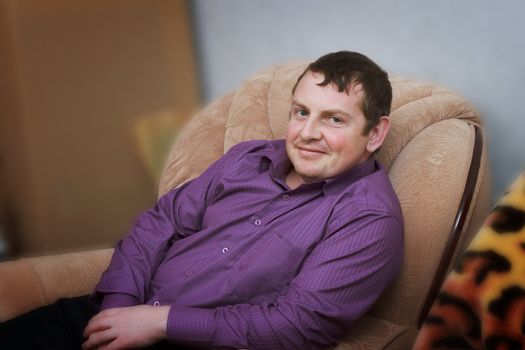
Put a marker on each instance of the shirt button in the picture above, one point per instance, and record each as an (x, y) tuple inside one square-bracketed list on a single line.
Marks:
[(286, 197), (156, 303), (225, 250), (257, 222)]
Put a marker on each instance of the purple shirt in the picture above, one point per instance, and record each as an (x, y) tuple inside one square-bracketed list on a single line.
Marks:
[(246, 262)]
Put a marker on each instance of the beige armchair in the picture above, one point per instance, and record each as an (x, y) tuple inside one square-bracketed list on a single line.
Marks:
[(437, 161)]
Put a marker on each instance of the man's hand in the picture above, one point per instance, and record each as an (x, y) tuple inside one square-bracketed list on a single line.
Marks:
[(127, 327)]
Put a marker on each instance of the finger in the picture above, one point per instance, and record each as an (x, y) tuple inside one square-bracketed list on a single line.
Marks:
[(99, 339), (114, 345), (97, 324)]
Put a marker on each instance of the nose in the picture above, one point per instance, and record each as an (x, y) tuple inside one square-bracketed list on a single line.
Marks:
[(310, 130)]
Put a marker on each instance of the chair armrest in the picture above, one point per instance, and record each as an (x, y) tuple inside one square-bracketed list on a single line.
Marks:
[(33, 282)]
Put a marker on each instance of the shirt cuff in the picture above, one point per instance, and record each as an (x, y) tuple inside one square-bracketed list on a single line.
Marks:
[(113, 300), (191, 325)]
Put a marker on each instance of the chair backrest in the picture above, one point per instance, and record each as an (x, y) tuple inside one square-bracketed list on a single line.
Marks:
[(435, 154)]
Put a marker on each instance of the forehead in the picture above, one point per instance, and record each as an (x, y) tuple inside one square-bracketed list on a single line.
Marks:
[(308, 91)]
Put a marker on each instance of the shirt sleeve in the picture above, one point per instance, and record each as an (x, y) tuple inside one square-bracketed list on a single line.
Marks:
[(338, 282), (177, 214)]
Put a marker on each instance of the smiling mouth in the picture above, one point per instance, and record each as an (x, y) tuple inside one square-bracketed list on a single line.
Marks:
[(310, 151)]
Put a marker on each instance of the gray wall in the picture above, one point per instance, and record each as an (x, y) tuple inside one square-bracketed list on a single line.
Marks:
[(474, 47)]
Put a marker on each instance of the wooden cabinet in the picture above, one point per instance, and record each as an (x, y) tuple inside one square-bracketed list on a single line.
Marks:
[(74, 78)]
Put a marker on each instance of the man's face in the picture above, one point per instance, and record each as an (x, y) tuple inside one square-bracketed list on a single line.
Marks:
[(325, 134)]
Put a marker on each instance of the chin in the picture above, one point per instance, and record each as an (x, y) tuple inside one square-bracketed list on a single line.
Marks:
[(309, 175)]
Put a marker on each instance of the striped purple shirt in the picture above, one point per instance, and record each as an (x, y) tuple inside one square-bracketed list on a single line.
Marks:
[(245, 262)]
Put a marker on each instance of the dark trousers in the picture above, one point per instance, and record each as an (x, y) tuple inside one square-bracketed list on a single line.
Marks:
[(56, 326)]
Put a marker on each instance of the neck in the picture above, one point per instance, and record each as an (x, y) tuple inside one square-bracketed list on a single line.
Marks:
[(293, 179)]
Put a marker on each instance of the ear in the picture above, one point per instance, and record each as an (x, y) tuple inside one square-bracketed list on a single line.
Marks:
[(377, 135)]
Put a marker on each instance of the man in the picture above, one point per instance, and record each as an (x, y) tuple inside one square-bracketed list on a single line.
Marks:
[(278, 245)]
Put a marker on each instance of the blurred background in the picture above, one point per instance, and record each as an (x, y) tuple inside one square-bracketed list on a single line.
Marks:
[(93, 92)]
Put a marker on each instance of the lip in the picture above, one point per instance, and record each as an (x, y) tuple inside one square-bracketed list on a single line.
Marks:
[(310, 151)]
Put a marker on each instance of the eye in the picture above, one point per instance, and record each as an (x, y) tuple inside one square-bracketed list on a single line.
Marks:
[(301, 113), (336, 120)]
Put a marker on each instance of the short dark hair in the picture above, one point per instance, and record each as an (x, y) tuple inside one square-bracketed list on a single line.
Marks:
[(345, 69)]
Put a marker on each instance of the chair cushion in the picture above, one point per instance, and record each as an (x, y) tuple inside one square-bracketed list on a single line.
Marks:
[(371, 333)]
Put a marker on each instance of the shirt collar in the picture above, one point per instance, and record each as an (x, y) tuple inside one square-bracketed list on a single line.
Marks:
[(277, 161), (339, 183)]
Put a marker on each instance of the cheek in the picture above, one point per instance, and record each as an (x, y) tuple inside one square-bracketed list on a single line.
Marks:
[(292, 131), (337, 142), (346, 144)]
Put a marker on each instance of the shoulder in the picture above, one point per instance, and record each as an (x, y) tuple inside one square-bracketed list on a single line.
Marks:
[(379, 194), (371, 197), (255, 148), (252, 146)]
